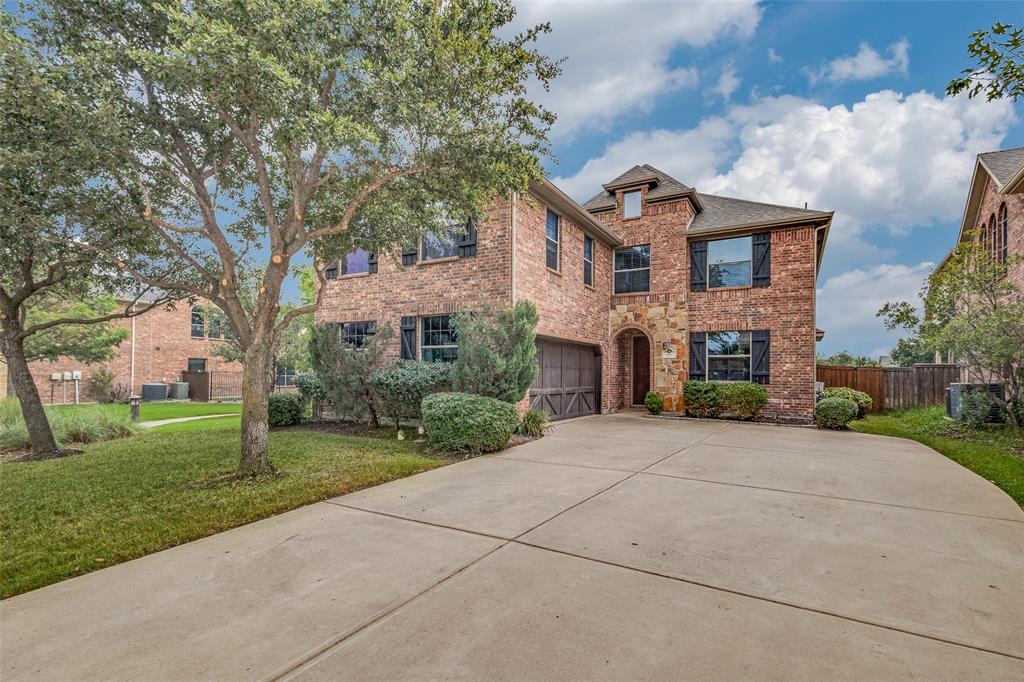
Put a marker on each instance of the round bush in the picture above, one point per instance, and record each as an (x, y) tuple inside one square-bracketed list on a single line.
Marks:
[(284, 409), (401, 387), (743, 398), (835, 413), (861, 400), (472, 424), (654, 402), (703, 399), (979, 408)]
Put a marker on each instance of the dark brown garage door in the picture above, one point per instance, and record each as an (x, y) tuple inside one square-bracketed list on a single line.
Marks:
[(567, 383)]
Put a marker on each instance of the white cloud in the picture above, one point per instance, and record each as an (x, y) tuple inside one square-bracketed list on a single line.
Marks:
[(848, 303), (727, 83), (866, 64), (773, 56), (618, 52)]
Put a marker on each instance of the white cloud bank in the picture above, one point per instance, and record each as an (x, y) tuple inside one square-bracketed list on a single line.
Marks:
[(866, 64), (618, 51)]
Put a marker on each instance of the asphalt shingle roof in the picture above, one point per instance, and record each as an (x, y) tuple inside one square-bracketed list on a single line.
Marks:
[(721, 212), (1005, 164), (718, 212)]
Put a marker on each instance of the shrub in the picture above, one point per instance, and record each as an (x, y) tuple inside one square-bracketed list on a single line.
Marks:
[(344, 370), (401, 387), (835, 413), (533, 424), (497, 354), (472, 424), (861, 400), (979, 408), (284, 409), (703, 398), (743, 398), (79, 424), (654, 402), (101, 385)]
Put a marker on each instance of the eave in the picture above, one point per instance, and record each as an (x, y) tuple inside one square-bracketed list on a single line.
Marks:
[(560, 201)]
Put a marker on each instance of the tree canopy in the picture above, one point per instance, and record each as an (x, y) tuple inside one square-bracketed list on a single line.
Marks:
[(999, 73)]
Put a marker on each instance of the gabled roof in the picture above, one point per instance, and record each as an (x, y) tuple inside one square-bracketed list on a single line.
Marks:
[(1003, 165), (560, 201), (661, 187), (726, 213)]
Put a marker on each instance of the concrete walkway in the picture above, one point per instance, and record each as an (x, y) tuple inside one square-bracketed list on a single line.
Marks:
[(177, 420), (615, 548)]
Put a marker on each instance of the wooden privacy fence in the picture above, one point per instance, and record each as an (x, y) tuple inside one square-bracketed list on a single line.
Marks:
[(894, 387)]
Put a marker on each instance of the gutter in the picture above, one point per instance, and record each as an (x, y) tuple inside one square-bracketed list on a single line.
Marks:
[(809, 218), (513, 200)]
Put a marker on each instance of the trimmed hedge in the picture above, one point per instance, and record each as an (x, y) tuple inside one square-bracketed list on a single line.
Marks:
[(471, 424), (834, 413), (703, 398), (401, 387), (860, 399), (744, 398), (284, 409)]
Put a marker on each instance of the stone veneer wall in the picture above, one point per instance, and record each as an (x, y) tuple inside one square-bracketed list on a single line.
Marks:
[(665, 325)]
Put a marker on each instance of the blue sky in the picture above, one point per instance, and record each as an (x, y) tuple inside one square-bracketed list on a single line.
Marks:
[(837, 104)]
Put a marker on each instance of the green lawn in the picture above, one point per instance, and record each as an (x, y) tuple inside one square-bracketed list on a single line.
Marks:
[(163, 410), (994, 453), (126, 498)]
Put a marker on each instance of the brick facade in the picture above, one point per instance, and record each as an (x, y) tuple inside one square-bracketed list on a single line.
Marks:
[(510, 266), (989, 208), (163, 346)]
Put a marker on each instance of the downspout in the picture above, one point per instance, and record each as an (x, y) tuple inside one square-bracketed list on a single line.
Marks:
[(512, 239), (131, 380), (814, 307)]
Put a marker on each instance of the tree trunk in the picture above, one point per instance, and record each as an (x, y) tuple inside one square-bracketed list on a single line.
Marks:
[(257, 373), (39, 432)]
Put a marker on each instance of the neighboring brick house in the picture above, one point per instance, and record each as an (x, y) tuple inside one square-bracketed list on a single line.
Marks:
[(645, 285), (994, 217), (162, 343)]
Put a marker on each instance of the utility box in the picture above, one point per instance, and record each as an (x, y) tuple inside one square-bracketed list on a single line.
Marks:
[(76, 375), (151, 392), (177, 390), (56, 376), (67, 376)]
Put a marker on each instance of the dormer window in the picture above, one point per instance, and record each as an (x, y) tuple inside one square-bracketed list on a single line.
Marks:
[(631, 204)]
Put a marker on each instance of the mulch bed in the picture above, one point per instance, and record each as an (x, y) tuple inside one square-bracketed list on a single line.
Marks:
[(15, 456)]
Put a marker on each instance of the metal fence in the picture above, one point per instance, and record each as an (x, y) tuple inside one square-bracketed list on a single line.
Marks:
[(222, 385), (894, 387)]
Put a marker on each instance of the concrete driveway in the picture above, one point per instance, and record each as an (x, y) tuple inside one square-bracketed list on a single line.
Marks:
[(615, 548)]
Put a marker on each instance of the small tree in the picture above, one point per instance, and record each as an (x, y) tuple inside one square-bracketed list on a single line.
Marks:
[(974, 311), (497, 354), (344, 369)]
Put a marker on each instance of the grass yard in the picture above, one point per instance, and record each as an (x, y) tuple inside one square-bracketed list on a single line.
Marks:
[(126, 498), (162, 410), (993, 453)]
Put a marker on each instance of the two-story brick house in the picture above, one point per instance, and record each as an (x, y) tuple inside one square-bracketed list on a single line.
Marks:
[(644, 286)]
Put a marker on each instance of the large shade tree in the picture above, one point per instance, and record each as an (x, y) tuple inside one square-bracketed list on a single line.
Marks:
[(265, 128), (58, 142)]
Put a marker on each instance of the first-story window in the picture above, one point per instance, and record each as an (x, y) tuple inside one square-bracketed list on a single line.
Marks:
[(443, 245), (552, 240), (355, 333), (285, 375), (729, 262), (197, 364), (438, 342), (728, 356), (633, 269), (588, 259)]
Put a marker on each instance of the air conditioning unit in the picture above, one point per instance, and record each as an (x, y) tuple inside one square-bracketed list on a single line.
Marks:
[(955, 394)]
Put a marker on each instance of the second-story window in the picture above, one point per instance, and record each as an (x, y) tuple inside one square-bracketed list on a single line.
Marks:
[(1003, 234), (198, 322), (552, 240), (588, 259), (631, 204), (210, 324), (633, 269), (355, 262), (729, 262), (443, 245)]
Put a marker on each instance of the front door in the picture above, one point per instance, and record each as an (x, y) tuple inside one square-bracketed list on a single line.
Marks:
[(641, 369)]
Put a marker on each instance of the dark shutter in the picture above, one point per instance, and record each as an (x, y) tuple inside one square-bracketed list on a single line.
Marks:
[(698, 355), (408, 337), (699, 265), (760, 356), (761, 244), (467, 241), (371, 261), (409, 254)]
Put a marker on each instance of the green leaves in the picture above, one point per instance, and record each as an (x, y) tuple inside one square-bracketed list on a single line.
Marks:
[(999, 53)]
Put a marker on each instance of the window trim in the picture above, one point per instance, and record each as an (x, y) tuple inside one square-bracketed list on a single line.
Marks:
[(557, 241), (588, 261), (749, 355), (188, 363), (226, 333), (455, 246), (289, 377), (639, 206), (708, 264), (370, 330), (616, 270), (422, 331), (1002, 226)]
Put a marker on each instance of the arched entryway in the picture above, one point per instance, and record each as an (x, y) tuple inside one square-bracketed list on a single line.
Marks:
[(632, 375)]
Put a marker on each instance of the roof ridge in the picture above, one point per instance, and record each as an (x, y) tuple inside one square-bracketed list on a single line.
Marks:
[(761, 203), (1000, 151)]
